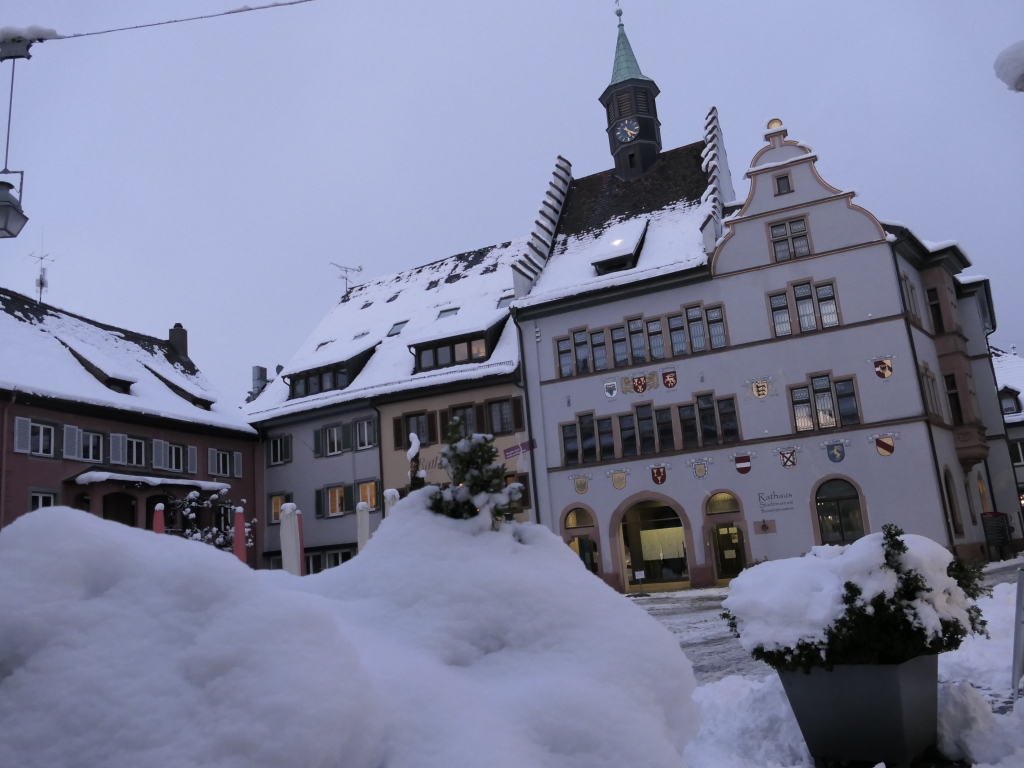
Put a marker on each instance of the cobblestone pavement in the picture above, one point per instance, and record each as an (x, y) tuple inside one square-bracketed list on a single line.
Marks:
[(693, 615)]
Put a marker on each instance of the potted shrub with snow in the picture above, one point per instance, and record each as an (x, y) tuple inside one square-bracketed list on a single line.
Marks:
[(854, 633)]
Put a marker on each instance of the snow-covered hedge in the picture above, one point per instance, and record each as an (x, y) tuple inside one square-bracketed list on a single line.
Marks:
[(885, 599), (443, 643)]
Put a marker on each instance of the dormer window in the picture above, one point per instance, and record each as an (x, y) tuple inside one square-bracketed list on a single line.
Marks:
[(443, 354), (447, 313), (1008, 401), (783, 185), (397, 328), (504, 301)]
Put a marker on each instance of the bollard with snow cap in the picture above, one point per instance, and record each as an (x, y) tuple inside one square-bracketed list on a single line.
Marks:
[(239, 543), (158, 519), (292, 559), (1018, 635)]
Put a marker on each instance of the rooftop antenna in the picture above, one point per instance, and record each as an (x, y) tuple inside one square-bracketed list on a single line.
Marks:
[(42, 283), (345, 272)]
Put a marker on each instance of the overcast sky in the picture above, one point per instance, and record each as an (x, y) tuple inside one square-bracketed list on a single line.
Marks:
[(208, 173)]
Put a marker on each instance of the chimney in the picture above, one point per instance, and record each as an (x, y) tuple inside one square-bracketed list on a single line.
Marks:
[(178, 338), (259, 379)]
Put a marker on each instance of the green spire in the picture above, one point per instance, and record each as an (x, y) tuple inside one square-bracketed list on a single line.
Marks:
[(625, 67)]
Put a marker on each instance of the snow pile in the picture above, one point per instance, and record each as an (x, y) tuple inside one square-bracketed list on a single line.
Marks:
[(985, 662), (1009, 66), (442, 644), (779, 603), (120, 647), (747, 723), (967, 728)]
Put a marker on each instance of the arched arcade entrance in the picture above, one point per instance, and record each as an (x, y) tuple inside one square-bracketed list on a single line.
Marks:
[(652, 545)]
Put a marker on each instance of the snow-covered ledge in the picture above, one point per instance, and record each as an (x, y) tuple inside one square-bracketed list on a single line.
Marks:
[(87, 478)]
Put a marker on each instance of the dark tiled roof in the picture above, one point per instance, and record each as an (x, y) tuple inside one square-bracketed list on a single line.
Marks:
[(595, 199)]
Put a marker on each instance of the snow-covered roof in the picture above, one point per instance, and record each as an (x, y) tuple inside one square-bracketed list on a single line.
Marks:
[(473, 283), (1009, 368), (668, 198), (46, 351)]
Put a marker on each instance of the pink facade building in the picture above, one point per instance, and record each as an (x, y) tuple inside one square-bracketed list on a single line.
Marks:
[(114, 422)]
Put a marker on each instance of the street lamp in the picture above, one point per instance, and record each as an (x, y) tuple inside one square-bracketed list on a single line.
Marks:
[(12, 218)]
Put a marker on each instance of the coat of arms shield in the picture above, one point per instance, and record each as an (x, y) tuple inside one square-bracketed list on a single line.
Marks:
[(885, 446), (627, 384), (611, 389), (580, 484), (760, 389), (669, 379), (883, 368), (743, 464), (659, 475), (640, 384), (788, 457), (836, 452), (700, 470), (618, 480)]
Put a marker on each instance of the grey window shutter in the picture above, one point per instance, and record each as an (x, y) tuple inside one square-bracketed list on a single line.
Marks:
[(399, 434), (318, 443), (350, 498), (286, 448), (237, 463), (346, 436), (432, 427), (320, 512), (373, 431), (517, 414), (211, 459), (118, 449), (481, 419), (375, 501), (160, 454), (72, 442), (22, 434), (444, 419), (193, 459)]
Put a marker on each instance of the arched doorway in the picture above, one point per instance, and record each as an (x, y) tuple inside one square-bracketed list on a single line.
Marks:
[(119, 507), (654, 545), (839, 512), (581, 536)]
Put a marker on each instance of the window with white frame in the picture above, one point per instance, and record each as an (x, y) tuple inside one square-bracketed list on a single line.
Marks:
[(135, 452), (368, 493), (220, 463), (92, 446), (275, 502), (789, 239), (42, 440), (366, 434), (1017, 451), (334, 442), (39, 500), (175, 458), (338, 501), (280, 449)]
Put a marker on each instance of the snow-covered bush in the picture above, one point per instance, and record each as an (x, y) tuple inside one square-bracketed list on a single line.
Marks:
[(885, 599), (187, 512), (478, 483)]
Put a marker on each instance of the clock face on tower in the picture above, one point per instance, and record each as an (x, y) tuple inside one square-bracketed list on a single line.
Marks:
[(627, 129)]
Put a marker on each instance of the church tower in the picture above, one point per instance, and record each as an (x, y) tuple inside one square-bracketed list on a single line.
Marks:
[(634, 132)]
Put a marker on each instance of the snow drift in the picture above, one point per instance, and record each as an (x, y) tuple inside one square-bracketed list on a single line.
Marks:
[(442, 644)]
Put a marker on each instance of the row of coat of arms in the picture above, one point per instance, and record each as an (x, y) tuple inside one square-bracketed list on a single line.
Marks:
[(885, 445)]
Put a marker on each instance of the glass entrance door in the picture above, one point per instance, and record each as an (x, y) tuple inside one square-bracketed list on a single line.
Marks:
[(730, 550), (653, 543)]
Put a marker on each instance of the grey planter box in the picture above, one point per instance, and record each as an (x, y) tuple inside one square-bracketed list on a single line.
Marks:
[(870, 712)]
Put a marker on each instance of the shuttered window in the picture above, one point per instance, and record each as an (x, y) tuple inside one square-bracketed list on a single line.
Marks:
[(22, 434), (72, 442), (236, 463), (642, 106), (623, 102), (193, 459), (118, 449), (160, 454)]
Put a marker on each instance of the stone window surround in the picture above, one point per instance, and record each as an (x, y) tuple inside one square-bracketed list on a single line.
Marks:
[(835, 403), (624, 323), (774, 222), (794, 320), (676, 430)]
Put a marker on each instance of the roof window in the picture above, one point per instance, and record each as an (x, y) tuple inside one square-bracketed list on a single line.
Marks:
[(397, 328), (504, 301), (360, 334), (447, 313)]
